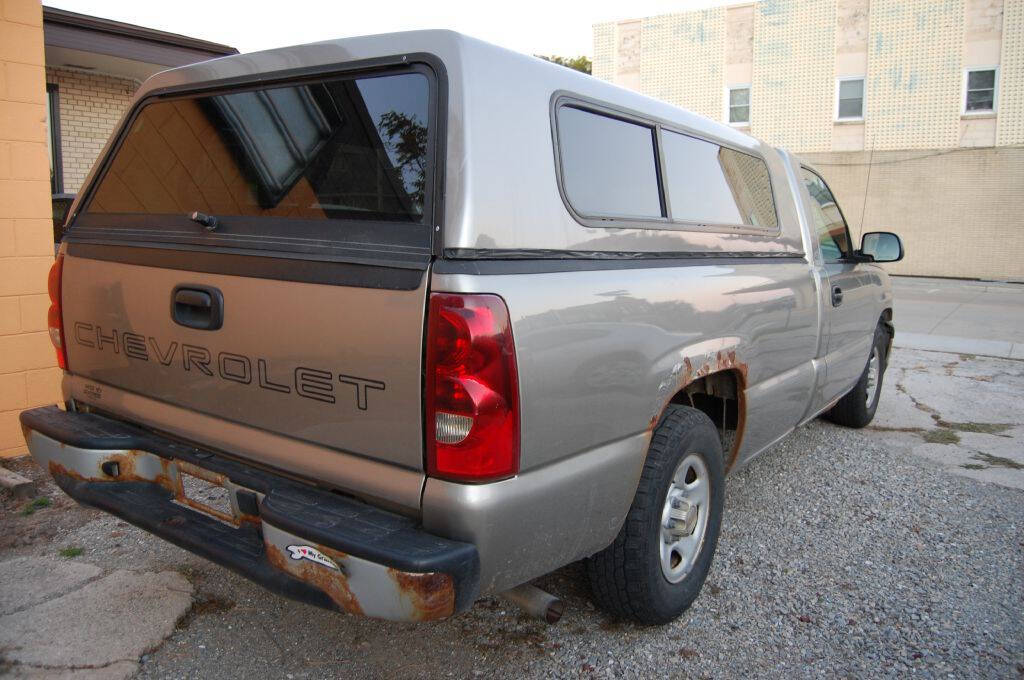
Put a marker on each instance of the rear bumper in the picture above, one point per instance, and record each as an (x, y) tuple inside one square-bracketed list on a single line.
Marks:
[(297, 540)]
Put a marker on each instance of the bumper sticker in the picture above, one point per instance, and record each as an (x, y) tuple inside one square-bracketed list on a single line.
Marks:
[(307, 552)]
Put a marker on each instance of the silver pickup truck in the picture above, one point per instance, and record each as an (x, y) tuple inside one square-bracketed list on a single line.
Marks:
[(389, 323)]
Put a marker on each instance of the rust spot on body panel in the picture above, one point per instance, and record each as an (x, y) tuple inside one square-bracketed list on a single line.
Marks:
[(414, 596), (58, 469), (169, 478), (741, 423), (432, 594), (201, 473), (126, 471), (333, 582), (722, 361), (728, 361)]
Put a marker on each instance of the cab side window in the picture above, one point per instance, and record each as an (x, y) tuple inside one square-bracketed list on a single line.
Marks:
[(833, 235)]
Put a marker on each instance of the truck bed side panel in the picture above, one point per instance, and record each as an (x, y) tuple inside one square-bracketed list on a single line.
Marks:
[(600, 355)]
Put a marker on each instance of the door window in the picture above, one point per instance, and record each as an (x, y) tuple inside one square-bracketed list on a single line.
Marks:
[(829, 224)]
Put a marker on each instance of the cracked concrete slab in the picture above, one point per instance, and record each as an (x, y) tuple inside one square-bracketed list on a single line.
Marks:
[(49, 578), (108, 621), (119, 670), (998, 459), (960, 411)]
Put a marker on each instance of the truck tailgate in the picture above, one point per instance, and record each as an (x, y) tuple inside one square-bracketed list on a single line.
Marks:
[(332, 365)]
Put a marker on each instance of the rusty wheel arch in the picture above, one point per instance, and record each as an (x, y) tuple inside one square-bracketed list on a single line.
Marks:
[(718, 389)]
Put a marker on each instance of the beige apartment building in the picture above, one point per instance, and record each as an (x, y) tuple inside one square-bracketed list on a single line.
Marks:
[(913, 110), (65, 81)]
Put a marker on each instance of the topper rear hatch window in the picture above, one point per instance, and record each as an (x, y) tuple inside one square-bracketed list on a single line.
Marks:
[(327, 168)]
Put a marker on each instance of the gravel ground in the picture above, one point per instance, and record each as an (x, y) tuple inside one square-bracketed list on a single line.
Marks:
[(842, 554)]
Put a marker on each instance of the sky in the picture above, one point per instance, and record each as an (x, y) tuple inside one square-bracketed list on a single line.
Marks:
[(561, 27)]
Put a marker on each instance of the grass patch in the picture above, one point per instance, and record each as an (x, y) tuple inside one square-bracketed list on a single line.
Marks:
[(974, 466), (997, 461), (967, 357), (36, 504), (941, 436), (70, 552), (982, 428)]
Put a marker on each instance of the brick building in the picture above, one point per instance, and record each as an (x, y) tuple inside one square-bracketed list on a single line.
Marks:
[(65, 81), (93, 67), (912, 109)]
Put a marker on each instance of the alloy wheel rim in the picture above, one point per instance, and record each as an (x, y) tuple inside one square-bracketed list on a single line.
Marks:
[(684, 518), (874, 366)]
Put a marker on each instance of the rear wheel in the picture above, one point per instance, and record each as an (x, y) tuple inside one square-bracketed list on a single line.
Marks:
[(657, 564), (857, 408)]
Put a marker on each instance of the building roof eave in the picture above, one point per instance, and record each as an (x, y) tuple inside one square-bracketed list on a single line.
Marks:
[(79, 31)]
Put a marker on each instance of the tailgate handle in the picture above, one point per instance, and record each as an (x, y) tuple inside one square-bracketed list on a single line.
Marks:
[(200, 307)]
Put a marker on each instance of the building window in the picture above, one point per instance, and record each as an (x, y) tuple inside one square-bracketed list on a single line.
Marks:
[(739, 105), (53, 138), (980, 90), (850, 99)]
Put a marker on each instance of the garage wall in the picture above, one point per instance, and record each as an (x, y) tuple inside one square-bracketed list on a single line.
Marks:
[(958, 211), (28, 373)]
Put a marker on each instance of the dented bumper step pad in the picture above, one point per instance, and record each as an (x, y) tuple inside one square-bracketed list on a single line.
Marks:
[(300, 541)]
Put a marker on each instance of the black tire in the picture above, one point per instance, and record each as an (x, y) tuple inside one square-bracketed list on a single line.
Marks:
[(626, 578), (854, 409)]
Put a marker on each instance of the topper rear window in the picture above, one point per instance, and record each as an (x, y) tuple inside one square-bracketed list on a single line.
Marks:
[(301, 167)]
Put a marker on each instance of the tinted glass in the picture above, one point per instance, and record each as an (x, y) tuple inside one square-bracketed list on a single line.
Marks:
[(833, 237), (608, 165), (344, 149), (851, 98), (710, 184)]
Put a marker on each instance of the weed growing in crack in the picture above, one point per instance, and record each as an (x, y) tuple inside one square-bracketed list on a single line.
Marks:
[(981, 428), (36, 504), (941, 436), (988, 460)]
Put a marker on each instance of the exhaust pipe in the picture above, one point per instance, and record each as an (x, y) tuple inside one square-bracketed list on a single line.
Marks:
[(536, 602)]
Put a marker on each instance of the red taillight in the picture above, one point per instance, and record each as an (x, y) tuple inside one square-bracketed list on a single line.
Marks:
[(55, 318), (472, 389)]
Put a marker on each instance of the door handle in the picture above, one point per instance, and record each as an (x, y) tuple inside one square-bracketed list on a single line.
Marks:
[(837, 296), (199, 307)]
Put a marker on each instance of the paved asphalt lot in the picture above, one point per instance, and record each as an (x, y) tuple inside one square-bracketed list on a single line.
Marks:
[(880, 552)]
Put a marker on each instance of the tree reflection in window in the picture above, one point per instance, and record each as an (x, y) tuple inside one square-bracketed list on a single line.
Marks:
[(406, 142)]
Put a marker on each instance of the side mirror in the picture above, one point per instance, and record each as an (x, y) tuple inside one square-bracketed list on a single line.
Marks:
[(882, 246)]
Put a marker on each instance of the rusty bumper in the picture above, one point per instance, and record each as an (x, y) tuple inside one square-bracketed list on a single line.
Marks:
[(298, 540)]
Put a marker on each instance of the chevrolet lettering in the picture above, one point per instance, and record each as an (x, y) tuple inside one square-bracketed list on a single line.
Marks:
[(306, 382)]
